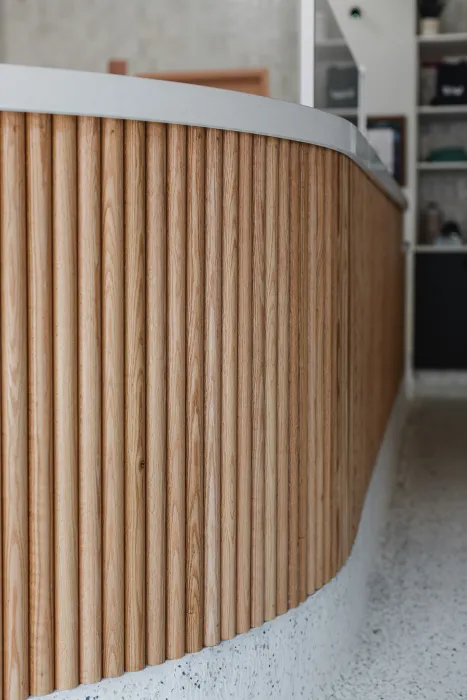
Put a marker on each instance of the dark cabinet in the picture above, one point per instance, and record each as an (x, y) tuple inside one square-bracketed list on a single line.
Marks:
[(441, 311)]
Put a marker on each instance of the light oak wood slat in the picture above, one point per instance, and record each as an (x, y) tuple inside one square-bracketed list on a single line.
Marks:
[(212, 419), (270, 485), (343, 366), (195, 389), (294, 373), (229, 384), (258, 380), (176, 386), (89, 391), (113, 407), (303, 378), (328, 223), (14, 328), (312, 261), (40, 364), (135, 395), (65, 318), (244, 424), (156, 389), (319, 344), (283, 376)]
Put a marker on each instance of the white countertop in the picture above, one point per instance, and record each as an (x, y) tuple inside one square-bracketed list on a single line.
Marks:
[(53, 91)]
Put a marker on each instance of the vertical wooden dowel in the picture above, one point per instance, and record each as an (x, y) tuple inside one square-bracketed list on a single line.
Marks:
[(89, 391), (40, 361), (195, 389), (319, 398), (335, 283), (229, 385), (283, 377), (270, 481), (343, 361), (135, 396), (113, 418), (176, 385), (212, 422), (244, 383), (303, 378), (294, 372), (312, 254), (258, 379), (65, 315), (327, 360), (14, 332), (156, 389)]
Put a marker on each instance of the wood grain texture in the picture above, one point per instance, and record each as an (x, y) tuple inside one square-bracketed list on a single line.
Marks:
[(176, 386), (334, 410), (294, 373), (258, 381), (313, 261), (195, 390), (89, 388), (156, 389), (270, 478), (65, 319), (229, 384), (283, 279), (319, 349), (212, 379), (135, 395), (303, 378), (244, 425), (40, 365), (113, 402), (14, 333)]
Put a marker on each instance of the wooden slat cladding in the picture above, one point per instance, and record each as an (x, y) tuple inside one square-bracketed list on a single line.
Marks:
[(201, 343)]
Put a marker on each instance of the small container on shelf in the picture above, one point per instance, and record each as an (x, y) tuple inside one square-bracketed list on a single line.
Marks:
[(432, 221)]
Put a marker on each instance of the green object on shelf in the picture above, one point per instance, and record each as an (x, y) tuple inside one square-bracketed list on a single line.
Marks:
[(448, 155)]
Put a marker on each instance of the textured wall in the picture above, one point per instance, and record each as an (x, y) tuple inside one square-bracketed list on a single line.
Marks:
[(157, 35)]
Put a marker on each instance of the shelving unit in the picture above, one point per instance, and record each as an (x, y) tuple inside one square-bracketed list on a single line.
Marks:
[(444, 112), (433, 48), (333, 50), (420, 248), (438, 167)]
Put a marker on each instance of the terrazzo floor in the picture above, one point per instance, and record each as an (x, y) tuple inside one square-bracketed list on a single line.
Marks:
[(414, 643)]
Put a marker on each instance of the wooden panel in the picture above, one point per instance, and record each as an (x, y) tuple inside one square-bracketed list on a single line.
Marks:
[(156, 390), (229, 385), (113, 419), (283, 277), (303, 378), (195, 389), (14, 407), (258, 379), (294, 372), (244, 382), (89, 387), (41, 583), (65, 315), (270, 486), (176, 384), (213, 350), (251, 80), (135, 396), (313, 331), (319, 349)]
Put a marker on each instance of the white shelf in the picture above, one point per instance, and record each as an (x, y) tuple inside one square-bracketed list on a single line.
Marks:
[(440, 249), (433, 48), (444, 112), (442, 167)]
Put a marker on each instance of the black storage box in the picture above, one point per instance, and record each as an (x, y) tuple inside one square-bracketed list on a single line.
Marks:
[(342, 86), (451, 87)]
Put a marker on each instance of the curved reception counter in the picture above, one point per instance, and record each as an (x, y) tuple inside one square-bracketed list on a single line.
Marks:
[(201, 344)]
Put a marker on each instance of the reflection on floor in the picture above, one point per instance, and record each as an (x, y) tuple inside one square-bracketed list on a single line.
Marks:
[(414, 643)]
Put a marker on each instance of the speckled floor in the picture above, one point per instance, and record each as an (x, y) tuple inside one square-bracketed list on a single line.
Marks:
[(414, 643)]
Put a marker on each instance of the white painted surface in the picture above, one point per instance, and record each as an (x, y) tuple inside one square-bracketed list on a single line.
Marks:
[(307, 52), (52, 91), (298, 655)]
